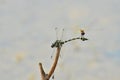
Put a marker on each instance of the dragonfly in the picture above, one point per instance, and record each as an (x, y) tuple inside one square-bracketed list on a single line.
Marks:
[(59, 43)]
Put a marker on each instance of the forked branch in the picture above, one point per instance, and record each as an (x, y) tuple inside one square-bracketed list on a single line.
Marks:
[(58, 44), (45, 76)]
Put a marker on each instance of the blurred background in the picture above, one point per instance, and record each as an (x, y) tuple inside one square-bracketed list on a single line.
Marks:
[(27, 30)]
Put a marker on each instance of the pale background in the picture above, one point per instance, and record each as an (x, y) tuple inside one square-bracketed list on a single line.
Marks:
[(27, 30)]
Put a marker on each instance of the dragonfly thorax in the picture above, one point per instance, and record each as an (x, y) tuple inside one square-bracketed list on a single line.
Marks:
[(57, 43)]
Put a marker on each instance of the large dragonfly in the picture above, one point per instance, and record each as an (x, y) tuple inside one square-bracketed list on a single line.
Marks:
[(59, 43)]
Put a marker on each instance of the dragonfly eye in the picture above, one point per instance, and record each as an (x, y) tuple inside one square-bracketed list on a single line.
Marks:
[(53, 45)]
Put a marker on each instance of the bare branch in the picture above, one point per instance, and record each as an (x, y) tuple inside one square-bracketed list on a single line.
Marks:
[(42, 71), (45, 76), (55, 62)]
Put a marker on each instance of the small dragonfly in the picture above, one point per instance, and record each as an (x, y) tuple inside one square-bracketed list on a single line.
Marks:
[(59, 43)]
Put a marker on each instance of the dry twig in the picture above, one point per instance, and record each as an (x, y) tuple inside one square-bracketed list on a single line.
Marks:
[(45, 76)]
